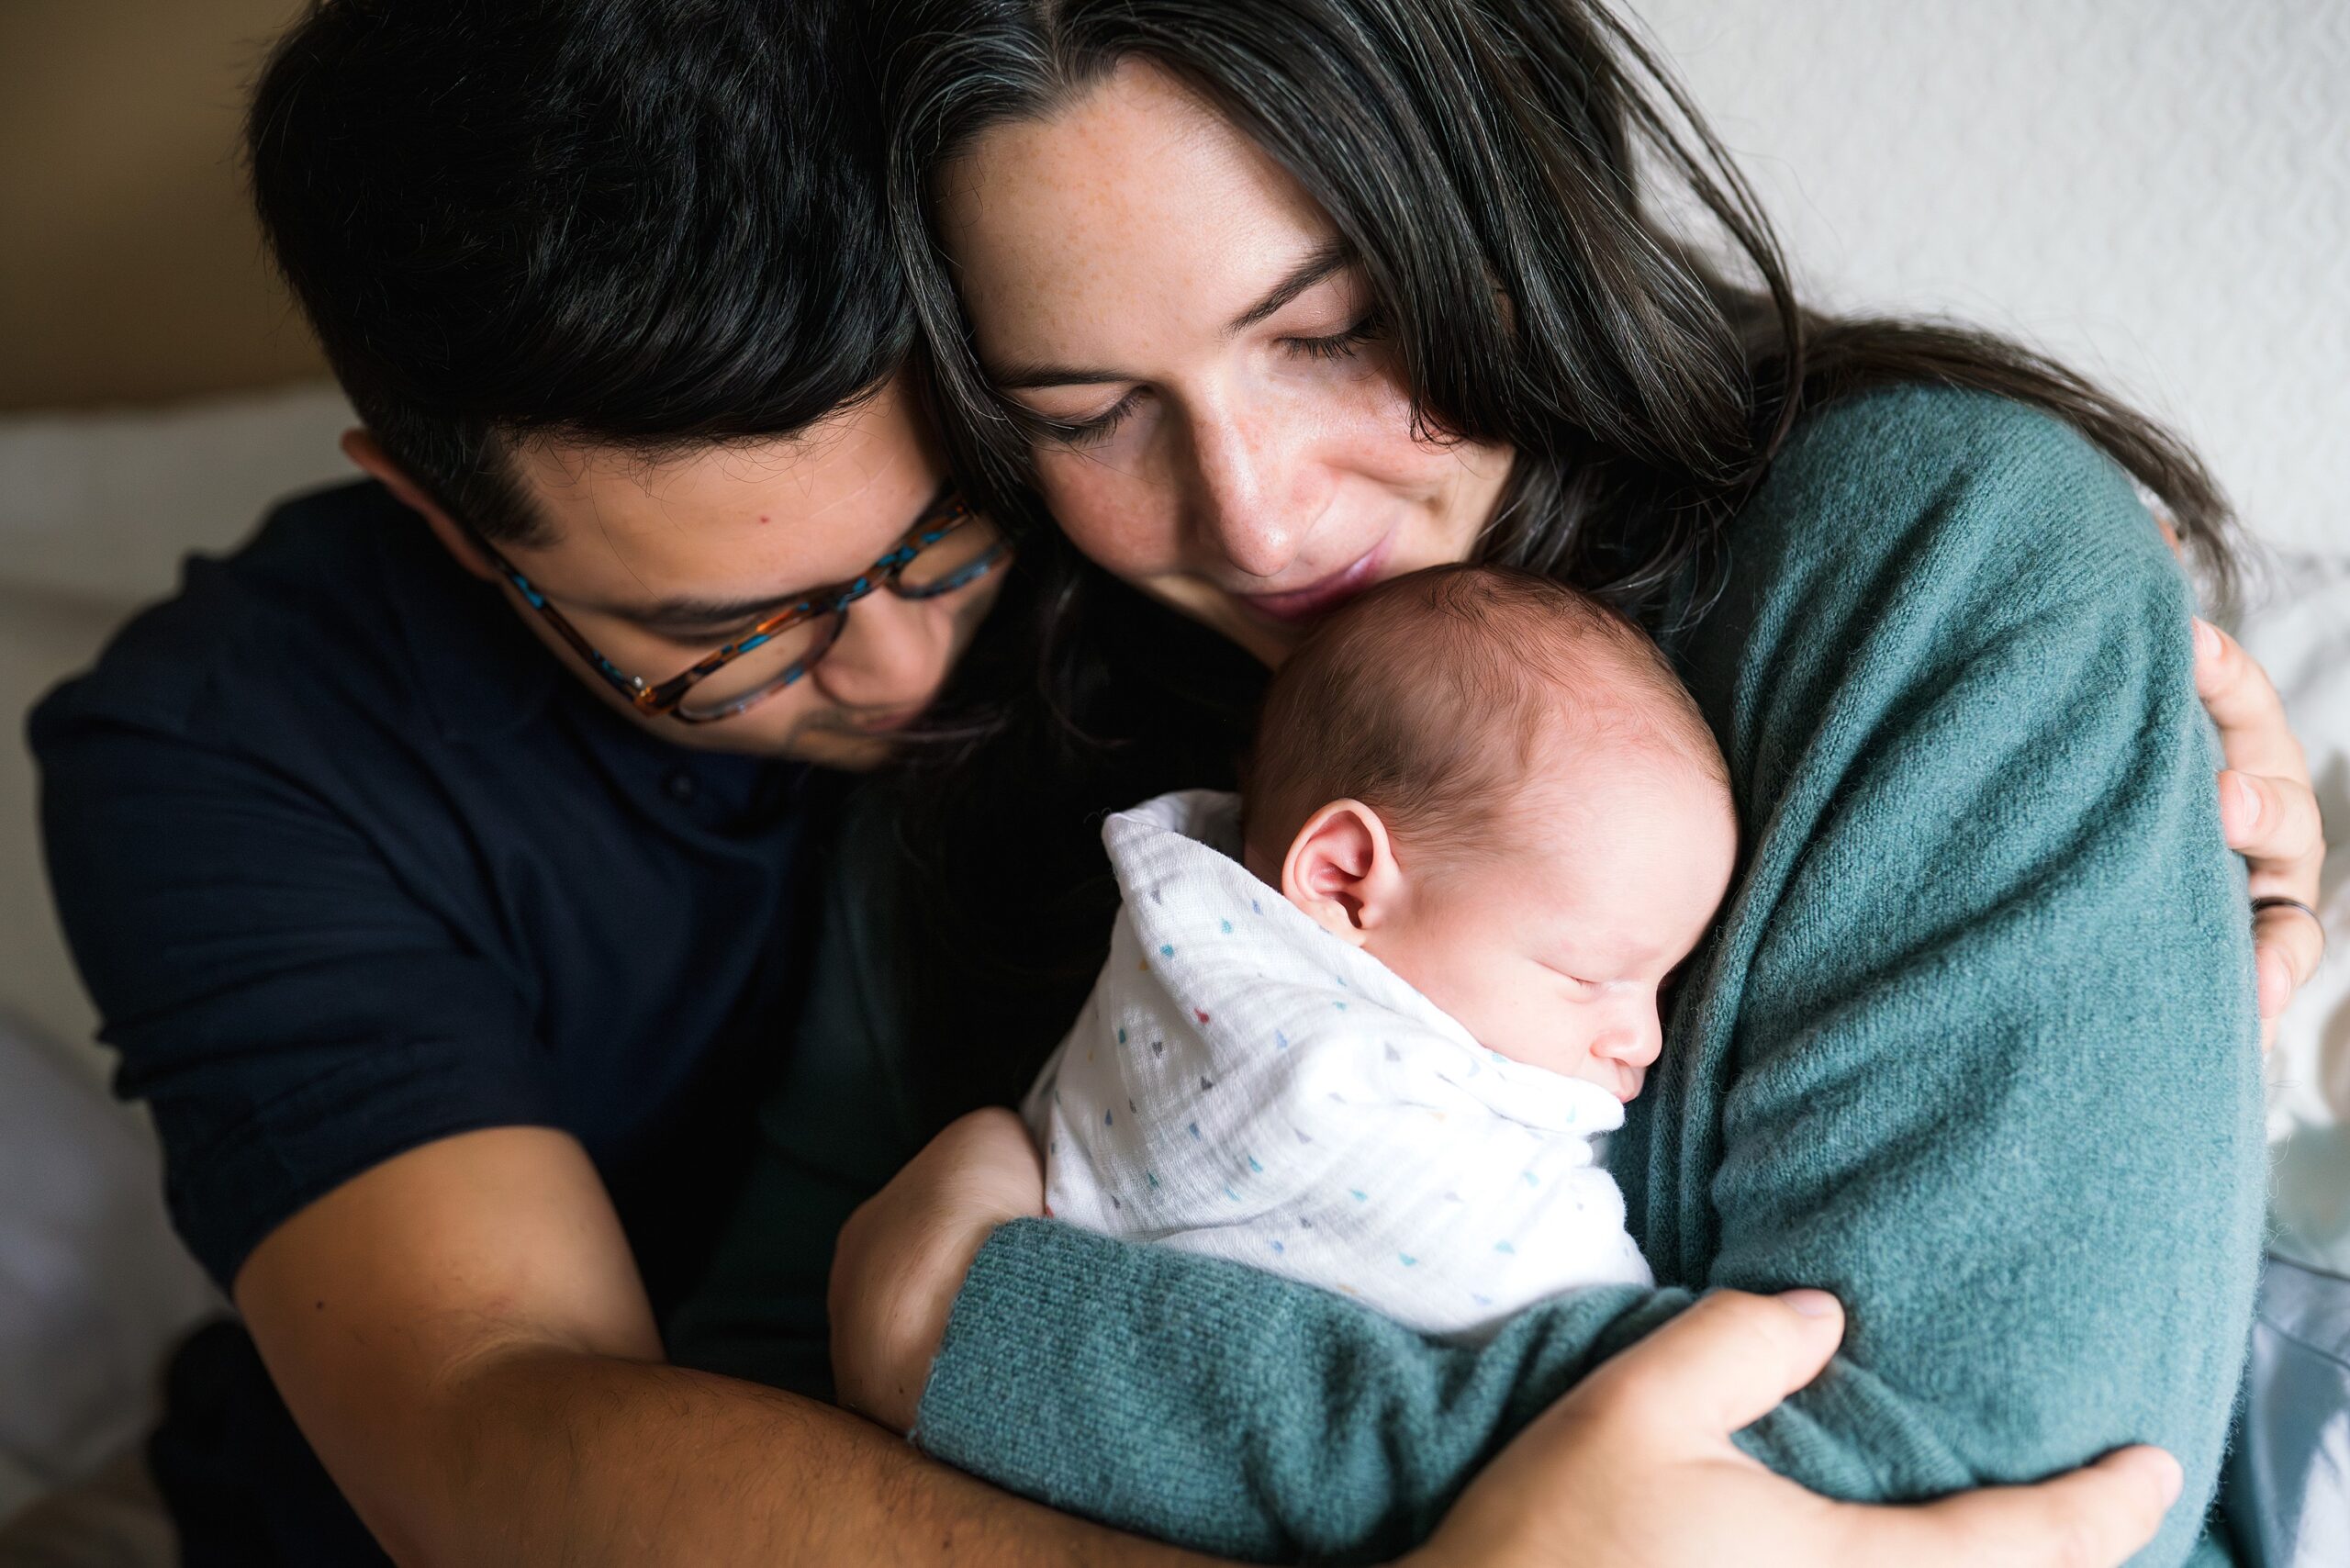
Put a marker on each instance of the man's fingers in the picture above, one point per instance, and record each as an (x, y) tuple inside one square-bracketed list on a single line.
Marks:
[(2287, 946), (2253, 729), (1725, 1362), (2093, 1518)]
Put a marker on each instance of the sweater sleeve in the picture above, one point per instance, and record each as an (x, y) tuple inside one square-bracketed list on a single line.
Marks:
[(1974, 1049)]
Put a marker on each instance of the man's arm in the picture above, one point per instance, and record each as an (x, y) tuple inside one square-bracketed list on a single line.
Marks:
[(462, 1335)]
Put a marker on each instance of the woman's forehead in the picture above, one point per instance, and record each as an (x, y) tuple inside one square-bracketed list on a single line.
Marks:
[(1135, 204)]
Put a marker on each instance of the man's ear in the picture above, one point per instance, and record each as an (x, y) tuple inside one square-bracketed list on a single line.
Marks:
[(1341, 870), (362, 447)]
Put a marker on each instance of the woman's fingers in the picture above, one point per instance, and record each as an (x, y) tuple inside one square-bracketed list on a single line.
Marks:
[(900, 1258), (1724, 1363), (2091, 1517)]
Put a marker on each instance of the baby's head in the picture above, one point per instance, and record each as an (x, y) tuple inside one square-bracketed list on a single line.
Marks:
[(1499, 788)]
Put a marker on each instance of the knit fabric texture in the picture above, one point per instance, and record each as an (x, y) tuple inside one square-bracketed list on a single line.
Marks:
[(1975, 1048)]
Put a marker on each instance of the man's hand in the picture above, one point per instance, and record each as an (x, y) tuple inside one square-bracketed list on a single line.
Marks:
[(901, 1259), (1635, 1469), (2269, 814), (1632, 1469)]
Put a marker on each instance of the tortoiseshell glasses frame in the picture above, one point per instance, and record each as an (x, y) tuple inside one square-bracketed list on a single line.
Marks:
[(946, 514)]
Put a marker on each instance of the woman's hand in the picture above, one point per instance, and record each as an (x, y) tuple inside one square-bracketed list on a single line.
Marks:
[(1634, 1468), (2269, 814), (901, 1258)]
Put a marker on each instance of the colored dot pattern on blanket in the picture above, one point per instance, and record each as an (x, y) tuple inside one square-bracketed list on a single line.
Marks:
[(1249, 1159)]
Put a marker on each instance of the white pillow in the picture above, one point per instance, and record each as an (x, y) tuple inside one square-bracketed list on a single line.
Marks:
[(94, 1289), (101, 506)]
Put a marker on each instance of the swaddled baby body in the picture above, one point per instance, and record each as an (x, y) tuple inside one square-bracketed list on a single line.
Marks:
[(1363, 1027)]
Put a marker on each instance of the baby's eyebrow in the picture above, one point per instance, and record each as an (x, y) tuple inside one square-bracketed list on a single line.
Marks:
[(1607, 960)]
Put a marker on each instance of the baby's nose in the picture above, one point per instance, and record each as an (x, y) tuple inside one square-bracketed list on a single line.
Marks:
[(1636, 1041)]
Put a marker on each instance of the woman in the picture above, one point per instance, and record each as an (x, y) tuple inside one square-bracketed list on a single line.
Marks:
[(1262, 303)]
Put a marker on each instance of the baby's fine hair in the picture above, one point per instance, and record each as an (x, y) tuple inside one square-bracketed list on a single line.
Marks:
[(1430, 698)]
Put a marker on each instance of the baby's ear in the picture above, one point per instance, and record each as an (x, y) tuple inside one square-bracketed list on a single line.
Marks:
[(1341, 870)]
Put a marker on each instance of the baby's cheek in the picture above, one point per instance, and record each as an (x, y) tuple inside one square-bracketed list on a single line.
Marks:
[(1521, 1016), (1559, 1042)]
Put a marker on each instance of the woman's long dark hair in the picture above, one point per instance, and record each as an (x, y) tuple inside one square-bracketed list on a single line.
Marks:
[(1485, 161)]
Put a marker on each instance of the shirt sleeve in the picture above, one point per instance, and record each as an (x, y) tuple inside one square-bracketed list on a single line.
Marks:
[(293, 1012), (1976, 1052)]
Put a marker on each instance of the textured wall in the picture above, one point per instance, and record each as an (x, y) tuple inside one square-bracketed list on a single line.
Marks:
[(129, 269), (2157, 190)]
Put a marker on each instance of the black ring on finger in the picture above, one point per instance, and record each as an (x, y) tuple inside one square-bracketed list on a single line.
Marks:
[(2276, 901)]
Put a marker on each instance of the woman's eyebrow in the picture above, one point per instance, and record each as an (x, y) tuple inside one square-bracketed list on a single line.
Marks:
[(1020, 378), (1330, 256)]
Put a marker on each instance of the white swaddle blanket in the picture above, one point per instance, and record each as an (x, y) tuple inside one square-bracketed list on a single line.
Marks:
[(1245, 1084)]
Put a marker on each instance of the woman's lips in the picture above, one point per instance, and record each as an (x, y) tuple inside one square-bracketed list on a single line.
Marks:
[(1303, 604)]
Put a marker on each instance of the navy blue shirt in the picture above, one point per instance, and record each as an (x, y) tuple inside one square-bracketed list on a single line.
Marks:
[(349, 863)]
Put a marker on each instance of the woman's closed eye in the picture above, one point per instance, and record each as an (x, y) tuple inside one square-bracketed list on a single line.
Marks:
[(1367, 328), (1086, 431), (1327, 348)]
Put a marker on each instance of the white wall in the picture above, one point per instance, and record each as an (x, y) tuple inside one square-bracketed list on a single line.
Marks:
[(2156, 190)]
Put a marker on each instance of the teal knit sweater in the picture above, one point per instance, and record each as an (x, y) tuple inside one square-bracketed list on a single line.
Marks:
[(1974, 1049)]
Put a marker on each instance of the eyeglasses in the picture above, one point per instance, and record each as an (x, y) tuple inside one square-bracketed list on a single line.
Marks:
[(949, 547)]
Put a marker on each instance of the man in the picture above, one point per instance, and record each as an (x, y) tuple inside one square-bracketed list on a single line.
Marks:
[(441, 861), (446, 972)]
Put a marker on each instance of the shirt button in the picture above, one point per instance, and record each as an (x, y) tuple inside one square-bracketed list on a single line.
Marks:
[(680, 785)]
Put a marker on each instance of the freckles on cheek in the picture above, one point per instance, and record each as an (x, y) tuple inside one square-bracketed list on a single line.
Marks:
[(1106, 514), (1378, 434)]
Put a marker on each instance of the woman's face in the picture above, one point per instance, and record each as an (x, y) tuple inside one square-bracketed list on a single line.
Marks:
[(1219, 419)]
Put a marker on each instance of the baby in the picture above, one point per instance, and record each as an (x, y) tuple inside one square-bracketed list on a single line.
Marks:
[(1363, 1027)]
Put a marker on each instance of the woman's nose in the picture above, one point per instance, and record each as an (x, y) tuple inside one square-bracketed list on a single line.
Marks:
[(892, 653), (1238, 496)]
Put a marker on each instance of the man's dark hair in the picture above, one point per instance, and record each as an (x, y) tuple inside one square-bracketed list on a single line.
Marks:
[(649, 223)]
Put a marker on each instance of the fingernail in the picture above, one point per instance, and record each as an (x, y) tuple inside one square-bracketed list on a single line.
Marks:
[(2275, 983), (2207, 639), (2172, 1480), (2245, 802), (1809, 1303)]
